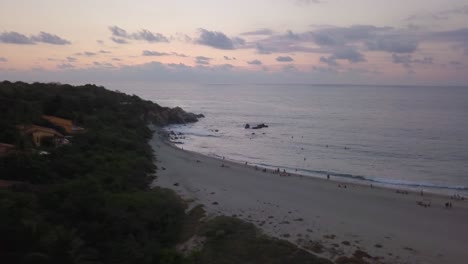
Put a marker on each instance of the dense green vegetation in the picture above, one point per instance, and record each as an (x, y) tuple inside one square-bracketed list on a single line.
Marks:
[(230, 240), (89, 202)]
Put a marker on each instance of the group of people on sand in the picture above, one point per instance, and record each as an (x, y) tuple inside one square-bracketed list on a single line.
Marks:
[(284, 173), (281, 173), (424, 204), (457, 197)]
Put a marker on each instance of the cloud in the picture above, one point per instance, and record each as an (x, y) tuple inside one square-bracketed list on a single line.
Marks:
[(284, 59), (226, 66), (179, 54), (149, 36), (15, 38), (340, 42), (258, 32), (71, 59), (202, 60), (119, 40), (50, 39), (374, 38), (105, 52), (407, 60), (121, 36), (3, 59), (153, 53), (351, 54), (348, 53), (43, 37), (218, 40), (102, 64), (86, 54), (393, 44), (330, 61), (65, 66), (254, 62), (148, 73), (229, 58), (458, 36), (261, 49), (402, 59), (238, 41), (325, 39), (292, 36), (119, 32), (156, 53), (338, 36)]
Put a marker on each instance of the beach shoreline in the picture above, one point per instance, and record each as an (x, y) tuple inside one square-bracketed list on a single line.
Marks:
[(404, 189), (404, 181), (342, 221)]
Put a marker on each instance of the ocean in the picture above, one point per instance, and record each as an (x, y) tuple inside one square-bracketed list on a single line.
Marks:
[(404, 137)]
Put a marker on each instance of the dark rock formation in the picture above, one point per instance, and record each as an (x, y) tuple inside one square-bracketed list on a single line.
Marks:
[(259, 126), (165, 116), (247, 126)]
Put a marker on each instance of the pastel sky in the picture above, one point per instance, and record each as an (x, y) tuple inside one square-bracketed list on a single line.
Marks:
[(423, 42)]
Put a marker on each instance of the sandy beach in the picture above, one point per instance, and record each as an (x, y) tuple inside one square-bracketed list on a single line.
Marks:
[(319, 214)]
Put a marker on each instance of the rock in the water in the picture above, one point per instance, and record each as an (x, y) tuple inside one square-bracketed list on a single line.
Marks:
[(247, 126), (259, 126)]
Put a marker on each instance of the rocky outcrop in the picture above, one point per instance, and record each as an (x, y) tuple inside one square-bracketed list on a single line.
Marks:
[(259, 126), (166, 116), (177, 115)]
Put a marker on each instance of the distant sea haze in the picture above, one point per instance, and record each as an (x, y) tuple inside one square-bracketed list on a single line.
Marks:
[(399, 137)]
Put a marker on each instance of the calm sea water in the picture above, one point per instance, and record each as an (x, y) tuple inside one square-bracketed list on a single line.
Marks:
[(403, 137)]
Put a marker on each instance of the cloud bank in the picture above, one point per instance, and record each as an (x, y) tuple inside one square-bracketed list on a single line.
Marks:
[(218, 40), (121, 36), (12, 37), (284, 59)]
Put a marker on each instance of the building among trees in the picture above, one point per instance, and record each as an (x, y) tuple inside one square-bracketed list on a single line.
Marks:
[(41, 135), (68, 126)]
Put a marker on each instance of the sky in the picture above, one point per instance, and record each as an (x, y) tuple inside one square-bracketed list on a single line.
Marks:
[(402, 42)]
